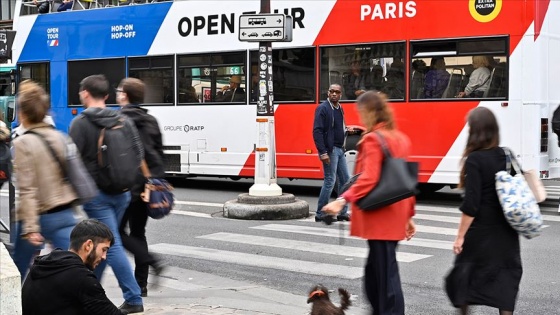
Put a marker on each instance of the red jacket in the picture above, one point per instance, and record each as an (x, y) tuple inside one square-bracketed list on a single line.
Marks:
[(387, 223)]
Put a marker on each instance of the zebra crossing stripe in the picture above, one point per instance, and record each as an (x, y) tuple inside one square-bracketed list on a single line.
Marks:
[(320, 248), (307, 267), (307, 230)]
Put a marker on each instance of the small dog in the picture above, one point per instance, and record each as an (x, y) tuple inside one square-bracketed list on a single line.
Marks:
[(322, 305)]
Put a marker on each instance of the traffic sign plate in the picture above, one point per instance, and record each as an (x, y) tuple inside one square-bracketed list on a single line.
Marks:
[(265, 28)]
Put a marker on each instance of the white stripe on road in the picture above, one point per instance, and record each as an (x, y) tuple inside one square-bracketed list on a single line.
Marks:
[(419, 242), (438, 218), (197, 203), (312, 247), (192, 213), (307, 267)]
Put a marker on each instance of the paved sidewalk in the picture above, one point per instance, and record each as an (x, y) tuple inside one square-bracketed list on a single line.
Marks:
[(181, 291)]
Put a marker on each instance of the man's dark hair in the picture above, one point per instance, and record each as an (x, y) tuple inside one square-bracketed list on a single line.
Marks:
[(134, 89), (97, 86), (90, 229)]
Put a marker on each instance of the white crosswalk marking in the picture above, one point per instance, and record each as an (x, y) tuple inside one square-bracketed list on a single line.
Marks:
[(419, 242), (305, 246), (308, 267)]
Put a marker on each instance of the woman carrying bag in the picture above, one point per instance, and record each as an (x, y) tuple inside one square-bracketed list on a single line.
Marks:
[(384, 227), (487, 269), (45, 197)]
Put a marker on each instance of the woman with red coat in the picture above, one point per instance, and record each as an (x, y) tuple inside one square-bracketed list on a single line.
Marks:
[(384, 227)]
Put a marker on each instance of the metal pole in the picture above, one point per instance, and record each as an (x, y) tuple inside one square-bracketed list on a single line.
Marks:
[(265, 150)]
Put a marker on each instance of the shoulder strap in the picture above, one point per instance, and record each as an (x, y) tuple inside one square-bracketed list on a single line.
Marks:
[(51, 150), (511, 161), (384, 147)]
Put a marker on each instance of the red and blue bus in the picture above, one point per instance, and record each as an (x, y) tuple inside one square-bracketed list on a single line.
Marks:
[(187, 51)]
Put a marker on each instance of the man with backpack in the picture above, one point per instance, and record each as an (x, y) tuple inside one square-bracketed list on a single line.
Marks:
[(112, 152)]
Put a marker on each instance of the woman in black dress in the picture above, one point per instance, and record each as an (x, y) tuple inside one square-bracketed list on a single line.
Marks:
[(487, 269)]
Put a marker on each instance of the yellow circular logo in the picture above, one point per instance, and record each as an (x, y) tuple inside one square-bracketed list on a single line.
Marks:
[(485, 10)]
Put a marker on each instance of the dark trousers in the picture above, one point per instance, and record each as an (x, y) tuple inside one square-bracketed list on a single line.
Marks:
[(135, 242), (382, 280)]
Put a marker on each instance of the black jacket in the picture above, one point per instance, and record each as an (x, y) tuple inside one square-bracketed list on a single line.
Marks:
[(150, 135), (85, 130), (323, 127), (59, 283)]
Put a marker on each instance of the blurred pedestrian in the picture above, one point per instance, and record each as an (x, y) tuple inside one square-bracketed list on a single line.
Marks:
[(109, 206), (45, 197), (386, 226), (130, 94), (487, 269)]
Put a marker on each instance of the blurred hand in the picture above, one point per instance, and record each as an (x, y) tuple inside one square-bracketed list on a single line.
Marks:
[(333, 207), (359, 92), (458, 245), (35, 239), (461, 94), (225, 88), (325, 158), (410, 229)]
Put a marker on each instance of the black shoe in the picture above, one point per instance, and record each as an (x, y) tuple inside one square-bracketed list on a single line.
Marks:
[(343, 217), (327, 219), (320, 219), (131, 309), (144, 291)]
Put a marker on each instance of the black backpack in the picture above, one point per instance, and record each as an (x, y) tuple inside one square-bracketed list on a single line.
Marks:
[(117, 157)]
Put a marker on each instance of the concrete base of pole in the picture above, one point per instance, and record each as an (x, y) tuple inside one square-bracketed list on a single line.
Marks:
[(265, 190), (283, 207)]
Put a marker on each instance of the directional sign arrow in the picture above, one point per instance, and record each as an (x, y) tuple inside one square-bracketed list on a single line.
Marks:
[(243, 33), (279, 21)]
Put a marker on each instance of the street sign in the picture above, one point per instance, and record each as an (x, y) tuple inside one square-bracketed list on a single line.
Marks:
[(265, 28)]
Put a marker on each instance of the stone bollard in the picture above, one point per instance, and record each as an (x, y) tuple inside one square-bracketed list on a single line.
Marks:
[(10, 284)]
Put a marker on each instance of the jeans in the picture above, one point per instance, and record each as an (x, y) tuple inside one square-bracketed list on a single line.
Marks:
[(135, 242), (110, 209), (55, 227), (336, 169)]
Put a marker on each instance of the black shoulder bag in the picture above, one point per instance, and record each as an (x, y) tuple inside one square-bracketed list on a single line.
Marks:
[(398, 181)]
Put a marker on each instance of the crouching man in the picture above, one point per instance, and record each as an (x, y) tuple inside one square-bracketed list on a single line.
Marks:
[(62, 282)]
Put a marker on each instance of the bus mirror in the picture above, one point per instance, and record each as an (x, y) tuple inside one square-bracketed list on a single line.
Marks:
[(12, 111)]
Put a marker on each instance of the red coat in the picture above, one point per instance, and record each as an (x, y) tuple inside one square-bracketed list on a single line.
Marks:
[(387, 223)]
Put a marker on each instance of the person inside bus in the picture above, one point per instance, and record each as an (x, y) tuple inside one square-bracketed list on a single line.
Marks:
[(42, 6), (235, 93), (479, 81), (394, 87), (436, 79), (355, 82), (66, 5)]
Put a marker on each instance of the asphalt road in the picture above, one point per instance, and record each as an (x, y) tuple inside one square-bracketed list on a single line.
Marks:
[(292, 256)]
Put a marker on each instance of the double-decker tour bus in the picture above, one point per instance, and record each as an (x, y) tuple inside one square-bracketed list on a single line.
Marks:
[(421, 53)]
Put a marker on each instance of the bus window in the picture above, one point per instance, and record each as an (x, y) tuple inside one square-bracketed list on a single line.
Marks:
[(157, 75), (113, 69), (359, 68), (211, 78), (293, 75), (38, 72), (459, 68)]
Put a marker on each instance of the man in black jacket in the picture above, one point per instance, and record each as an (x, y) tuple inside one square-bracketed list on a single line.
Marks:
[(328, 133), (130, 94), (63, 283)]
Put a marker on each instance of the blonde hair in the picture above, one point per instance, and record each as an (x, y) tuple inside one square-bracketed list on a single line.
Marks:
[(480, 61), (33, 101), (375, 110)]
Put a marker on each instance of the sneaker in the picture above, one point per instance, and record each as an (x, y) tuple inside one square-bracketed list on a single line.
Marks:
[(343, 217), (126, 308)]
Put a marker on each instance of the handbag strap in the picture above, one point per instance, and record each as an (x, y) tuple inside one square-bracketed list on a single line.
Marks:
[(511, 161), (51, 150), (383, 143), (145, 169)]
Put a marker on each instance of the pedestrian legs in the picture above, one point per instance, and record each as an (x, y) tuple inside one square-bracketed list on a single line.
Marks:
[(382, 280), (109, 209)]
